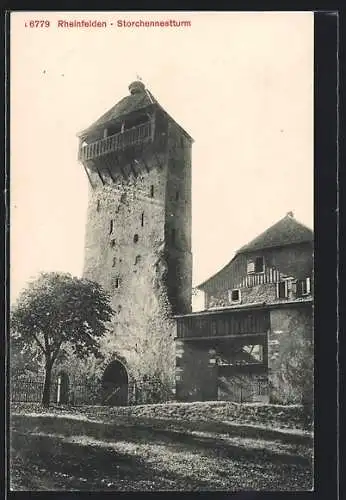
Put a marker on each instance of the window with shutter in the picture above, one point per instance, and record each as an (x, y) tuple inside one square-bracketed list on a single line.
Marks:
[(282, 290), (259, 265), (250, 266), (304, 287), (234, 296)]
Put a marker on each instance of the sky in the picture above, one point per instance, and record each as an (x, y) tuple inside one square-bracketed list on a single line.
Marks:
[(240, 83)]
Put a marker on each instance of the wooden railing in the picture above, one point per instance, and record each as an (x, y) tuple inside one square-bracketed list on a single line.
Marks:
[(223, 325), (122, 140)]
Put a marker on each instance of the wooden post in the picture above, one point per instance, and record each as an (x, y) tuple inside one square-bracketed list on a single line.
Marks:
[(58, 396)]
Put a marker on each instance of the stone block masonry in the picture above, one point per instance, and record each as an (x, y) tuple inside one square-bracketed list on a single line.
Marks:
[(125, 252), (290, 354)]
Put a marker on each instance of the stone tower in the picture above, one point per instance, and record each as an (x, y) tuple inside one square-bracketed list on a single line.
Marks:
[(138, 234)]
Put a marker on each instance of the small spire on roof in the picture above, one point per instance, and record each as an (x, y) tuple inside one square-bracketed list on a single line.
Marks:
[(290, 214)]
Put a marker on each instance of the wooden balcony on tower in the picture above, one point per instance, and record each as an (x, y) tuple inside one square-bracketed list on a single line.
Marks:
[(133, 136)]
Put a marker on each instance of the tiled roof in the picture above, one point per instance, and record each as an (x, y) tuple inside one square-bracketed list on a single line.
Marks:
[(286, 231), (128, 104), (133, 102)]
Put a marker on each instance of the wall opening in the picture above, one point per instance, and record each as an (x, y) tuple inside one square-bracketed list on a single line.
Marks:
[(152, 191), (135, 238), (134, 121), (142, 219), (115, 385), (114, 129)]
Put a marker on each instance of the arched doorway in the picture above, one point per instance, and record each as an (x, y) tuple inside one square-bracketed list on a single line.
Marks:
[(63, 386), (115, 385)]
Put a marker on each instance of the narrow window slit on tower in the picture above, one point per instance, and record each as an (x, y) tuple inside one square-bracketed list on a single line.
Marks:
[(112, 243), (135, 238), (117, 282), (111, 226), (152, 191), (138, 258), (98, 205), (114, 262), (142, 219)]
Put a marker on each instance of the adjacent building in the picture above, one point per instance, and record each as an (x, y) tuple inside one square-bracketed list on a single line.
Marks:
[(253, 341)]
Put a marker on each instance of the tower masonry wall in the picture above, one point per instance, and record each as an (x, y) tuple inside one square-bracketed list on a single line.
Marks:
[(178, 219), (126, 252)]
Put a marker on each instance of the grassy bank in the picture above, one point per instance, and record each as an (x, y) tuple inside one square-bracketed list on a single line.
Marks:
[(217, 412), (143, 449)]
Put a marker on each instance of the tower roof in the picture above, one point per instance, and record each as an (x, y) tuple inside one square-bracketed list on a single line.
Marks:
[(287, 231), (140, 97)]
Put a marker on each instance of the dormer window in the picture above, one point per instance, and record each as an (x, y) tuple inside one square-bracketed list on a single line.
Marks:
[(234, 296), (255, 265)]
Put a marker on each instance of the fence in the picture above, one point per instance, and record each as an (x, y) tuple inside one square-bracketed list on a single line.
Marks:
[(28, 390), (90, 393), (31, 391), (241, 391)]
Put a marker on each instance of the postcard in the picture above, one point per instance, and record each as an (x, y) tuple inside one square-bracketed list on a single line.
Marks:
[(161, 251)]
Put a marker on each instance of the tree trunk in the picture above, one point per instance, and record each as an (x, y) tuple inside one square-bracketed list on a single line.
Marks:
[(47, 384)]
